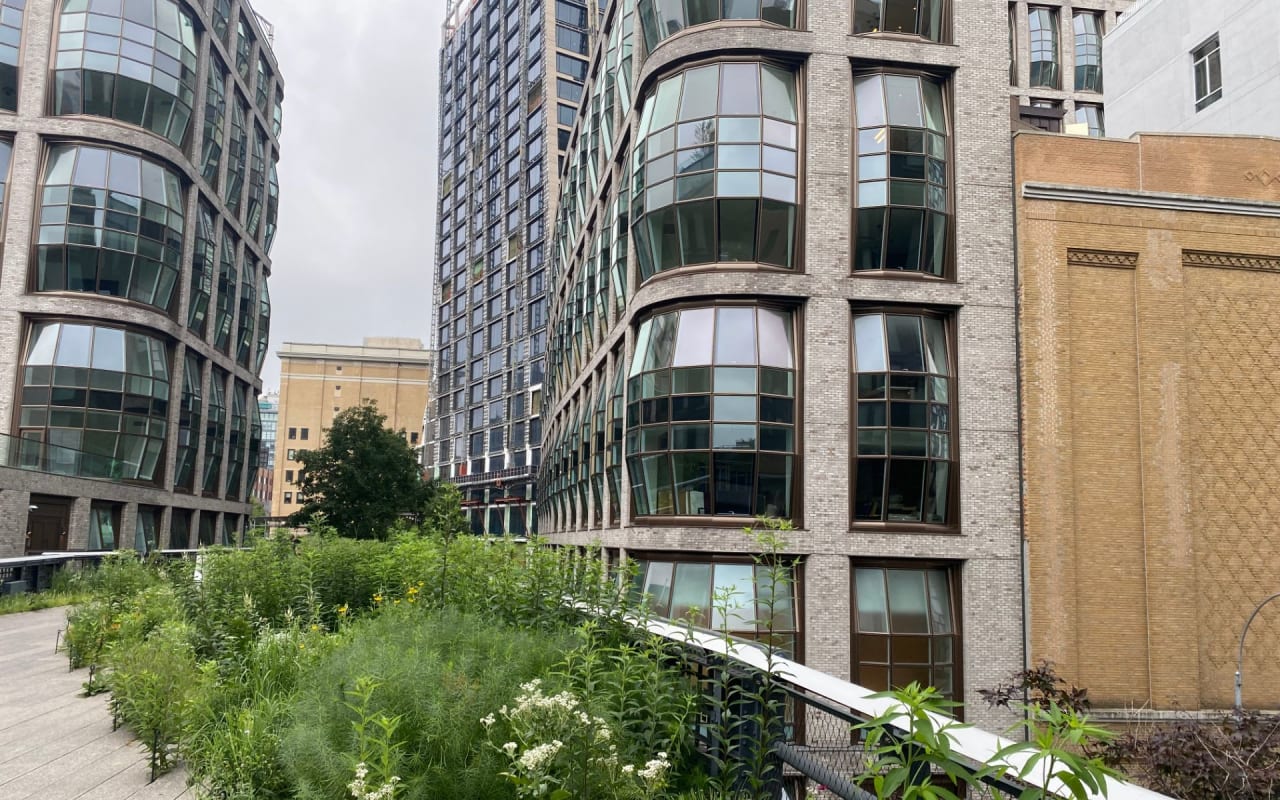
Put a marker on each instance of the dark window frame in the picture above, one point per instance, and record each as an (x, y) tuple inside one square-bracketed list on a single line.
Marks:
[(858, 650), (949, 319)]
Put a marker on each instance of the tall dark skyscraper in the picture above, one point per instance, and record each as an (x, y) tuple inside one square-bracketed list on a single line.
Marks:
[(511, 79)]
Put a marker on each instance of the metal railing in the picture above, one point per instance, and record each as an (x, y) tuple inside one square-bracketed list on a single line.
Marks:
[(814, 742), (34, 573), (39, 456)]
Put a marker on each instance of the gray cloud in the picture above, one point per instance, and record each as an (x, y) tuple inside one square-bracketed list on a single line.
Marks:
[(355, 248)]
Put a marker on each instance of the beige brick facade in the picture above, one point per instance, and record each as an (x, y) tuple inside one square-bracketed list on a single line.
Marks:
[(1149, 273), (317, 381)]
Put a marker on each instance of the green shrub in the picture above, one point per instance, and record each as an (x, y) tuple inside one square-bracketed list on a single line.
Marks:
[(151, 681), (439, 672)]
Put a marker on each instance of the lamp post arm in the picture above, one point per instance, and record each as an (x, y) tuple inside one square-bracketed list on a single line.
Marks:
[(1240, 654)]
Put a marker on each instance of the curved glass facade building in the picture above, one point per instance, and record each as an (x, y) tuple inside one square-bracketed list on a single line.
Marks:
[(138, 144), (782, 286)]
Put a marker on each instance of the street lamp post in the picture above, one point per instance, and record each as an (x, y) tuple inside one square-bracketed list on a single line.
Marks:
[(1240, 655)]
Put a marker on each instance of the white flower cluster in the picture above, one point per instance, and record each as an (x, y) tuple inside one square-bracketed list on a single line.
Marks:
[(535, 757), (655, 768), (359, 791)]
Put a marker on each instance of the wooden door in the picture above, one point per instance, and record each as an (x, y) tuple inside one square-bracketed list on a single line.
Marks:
[(47, 528)]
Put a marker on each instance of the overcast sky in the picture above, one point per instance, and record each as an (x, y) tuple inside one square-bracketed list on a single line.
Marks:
[(353, 256)]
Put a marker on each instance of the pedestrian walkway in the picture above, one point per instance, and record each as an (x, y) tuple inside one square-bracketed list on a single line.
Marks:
[(56, 744)]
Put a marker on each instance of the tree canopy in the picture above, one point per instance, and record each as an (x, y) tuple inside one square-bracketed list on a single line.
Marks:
[(363, 478)]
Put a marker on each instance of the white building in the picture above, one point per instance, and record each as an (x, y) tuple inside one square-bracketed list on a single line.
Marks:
[(1195, 66)]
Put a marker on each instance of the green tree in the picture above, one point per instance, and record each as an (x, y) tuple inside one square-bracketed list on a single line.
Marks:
[(362, 479)]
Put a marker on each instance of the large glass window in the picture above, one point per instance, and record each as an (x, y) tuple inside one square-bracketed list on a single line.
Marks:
[(264, 322), (711, 413), (743, 599), (215, 117), (1043, 26), (1088, 32), (110, 223), (227, 274), (245, 343), (203, 266), (215, 431), (10, 40), (903, 464), (98, 398), (257, 183), (660, 19), (273, 206), (716, 167), (189, 417), (1207, 63), (903, 208), (222, 19), (135, 62), (906, 628), (104, 520), (237, 442), (237, 155), (1089, 119), (244, 49), (914, 17)]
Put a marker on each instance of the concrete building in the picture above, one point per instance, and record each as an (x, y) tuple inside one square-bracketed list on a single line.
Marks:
[(138, 145), (747, 319), (269, 414), (1196, 67), (1056, 63), (1149, 271), (319, 380), (509, 93)]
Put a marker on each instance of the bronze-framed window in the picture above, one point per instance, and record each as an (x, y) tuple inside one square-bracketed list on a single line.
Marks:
[(903, 460), (716, 168), (11, 23), (95, 400), (215, 432), (1087, 27), (135, 63), (924, 18), (712, 413), (902, 195), (734, 594), (1042, 25), (906, 625), (660, 19), (189, 422), (613, 467), (111, 223)]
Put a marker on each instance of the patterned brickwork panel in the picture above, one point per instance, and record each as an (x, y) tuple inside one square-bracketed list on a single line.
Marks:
[(1234, 399)]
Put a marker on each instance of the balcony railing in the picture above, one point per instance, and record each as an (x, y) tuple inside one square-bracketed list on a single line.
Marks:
[(40, 456)]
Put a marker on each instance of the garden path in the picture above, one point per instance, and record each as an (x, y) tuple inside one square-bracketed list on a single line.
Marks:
[(54, 743)]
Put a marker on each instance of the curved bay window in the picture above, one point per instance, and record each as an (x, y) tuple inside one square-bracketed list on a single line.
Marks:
[(203, 264), (10, 40), (912, 17), (1088, 33), (661, 19), (712, 413), (215, 431), (98, 398), (110, 223), (1042, 24), (751, 601), (715, 169), (238, 439), (135, 62), (906, 628), (613, 466), (189, 423), (903, 212), (903, 462)]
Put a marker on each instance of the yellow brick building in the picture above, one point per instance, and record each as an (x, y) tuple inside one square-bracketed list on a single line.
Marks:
[(1149, 284), (319, 380)]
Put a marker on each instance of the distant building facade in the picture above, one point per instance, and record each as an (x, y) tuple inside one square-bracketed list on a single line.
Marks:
[(511, 80), (269, 413), (1149, 275), (1196, 67), (319, 380), (138, 145), (1056, 67)]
